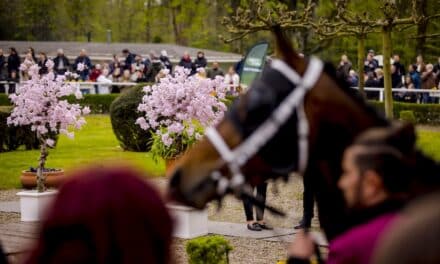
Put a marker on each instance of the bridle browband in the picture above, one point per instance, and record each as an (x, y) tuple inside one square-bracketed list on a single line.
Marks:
[(236, 158)]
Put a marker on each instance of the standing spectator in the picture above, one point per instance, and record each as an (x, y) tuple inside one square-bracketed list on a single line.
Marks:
[(32, 52), (84, 59), (259, 224), (400, 69), (155, 68), (370, 64), (95, 73), (186, 62), (61, 62), (104, 80), (200, 61), (428, 82), (344, 68), (396, 78), (353, 78), (215, 71), (2, 65), (238, 67), (379, 77), (420, 64), (415, 76), (409, 97), (114, 64), (437, 67), (13, 63), (166, 61), (42, 59), (232, 79), (129, 58)]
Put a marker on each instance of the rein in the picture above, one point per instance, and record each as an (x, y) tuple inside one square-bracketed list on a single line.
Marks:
[(236, 158)]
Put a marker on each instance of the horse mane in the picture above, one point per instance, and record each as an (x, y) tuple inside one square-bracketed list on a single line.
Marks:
[(330, 70)]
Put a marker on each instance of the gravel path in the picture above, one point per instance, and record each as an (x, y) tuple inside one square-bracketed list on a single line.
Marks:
[(285, 196)]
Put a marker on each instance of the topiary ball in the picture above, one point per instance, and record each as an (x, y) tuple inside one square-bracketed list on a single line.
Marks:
[(123, 115)]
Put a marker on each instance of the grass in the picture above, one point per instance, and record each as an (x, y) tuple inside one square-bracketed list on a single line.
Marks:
[(94, 144), (429, 142)]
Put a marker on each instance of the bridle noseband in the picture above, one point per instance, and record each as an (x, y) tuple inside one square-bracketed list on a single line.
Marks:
[(236, 158)]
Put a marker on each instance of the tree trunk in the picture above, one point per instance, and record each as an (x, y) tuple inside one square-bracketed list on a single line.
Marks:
[(386, 35), (422, 27), (360, 61), (42, 161)]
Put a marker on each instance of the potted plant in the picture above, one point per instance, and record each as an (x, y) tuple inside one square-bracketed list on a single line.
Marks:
[(40, 102), (178, 109)]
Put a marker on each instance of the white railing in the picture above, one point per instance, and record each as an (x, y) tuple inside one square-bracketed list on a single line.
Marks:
[(90, 88), (87, 87), (432, 93)]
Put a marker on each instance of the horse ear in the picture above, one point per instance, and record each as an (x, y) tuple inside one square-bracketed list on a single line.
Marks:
[(284, 49)]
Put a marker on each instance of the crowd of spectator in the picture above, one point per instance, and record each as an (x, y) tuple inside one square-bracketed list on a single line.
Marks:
[(128, 67), (419, 75)]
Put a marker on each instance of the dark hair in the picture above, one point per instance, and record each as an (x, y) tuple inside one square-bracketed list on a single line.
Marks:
[(13, 50), (389, 151), (125, 51), (389, 164)]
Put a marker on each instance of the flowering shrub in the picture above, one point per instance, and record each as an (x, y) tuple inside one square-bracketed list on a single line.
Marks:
[(178, 108), (39, 103)]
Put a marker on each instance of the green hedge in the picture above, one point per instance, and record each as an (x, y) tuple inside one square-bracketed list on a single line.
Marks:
[(98, 103), (423, 113), (4, 100)]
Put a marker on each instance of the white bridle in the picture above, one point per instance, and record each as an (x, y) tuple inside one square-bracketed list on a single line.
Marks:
[(236, 158)]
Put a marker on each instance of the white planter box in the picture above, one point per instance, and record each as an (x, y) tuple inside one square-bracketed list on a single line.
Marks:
[(189, 222), (33, 205)]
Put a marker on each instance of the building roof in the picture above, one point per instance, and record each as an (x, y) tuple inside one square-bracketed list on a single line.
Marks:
[(104, 51)]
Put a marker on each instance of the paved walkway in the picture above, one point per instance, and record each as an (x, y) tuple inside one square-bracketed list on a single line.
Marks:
[(10, 207), (16, 237)]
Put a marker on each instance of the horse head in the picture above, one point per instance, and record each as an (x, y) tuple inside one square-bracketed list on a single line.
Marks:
[(334, 116)]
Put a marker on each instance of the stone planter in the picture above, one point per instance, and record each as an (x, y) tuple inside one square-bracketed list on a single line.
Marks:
[(28, 179), (189, 222), (33, 205)]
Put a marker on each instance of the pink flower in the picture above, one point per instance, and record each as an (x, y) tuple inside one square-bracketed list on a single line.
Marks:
[(167, 140), (50, 142)]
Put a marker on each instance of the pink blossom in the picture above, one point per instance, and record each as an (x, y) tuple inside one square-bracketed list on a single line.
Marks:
[(50, 142), (167, 140), (38, 102)]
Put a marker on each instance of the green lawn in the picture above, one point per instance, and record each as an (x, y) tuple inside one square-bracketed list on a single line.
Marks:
[(95, 143)]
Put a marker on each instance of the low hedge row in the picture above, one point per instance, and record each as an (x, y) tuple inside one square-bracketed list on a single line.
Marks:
[(98, 103), (423, 113)]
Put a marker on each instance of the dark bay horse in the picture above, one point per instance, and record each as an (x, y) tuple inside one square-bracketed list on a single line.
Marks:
[(335, 116)]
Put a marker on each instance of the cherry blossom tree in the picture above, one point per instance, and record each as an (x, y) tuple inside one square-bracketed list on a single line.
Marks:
[(40, 102), (178, 108)]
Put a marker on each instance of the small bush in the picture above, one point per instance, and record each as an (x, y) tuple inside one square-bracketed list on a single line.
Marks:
[(123, 115), (408, 116), (12, 137), (208, 250)]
